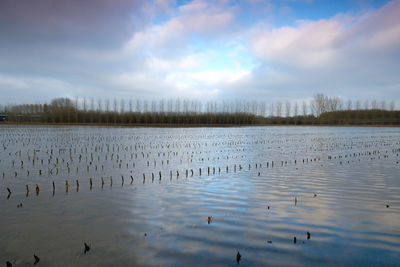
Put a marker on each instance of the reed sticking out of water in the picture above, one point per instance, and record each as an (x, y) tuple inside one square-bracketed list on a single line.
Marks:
[(87, 248), (36, 258), (37, 189), (238, 257)]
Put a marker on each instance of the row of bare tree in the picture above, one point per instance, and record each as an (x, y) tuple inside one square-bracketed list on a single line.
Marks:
[(320, 109)]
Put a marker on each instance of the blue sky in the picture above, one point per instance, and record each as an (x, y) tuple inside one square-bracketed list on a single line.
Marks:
[(208, 50)]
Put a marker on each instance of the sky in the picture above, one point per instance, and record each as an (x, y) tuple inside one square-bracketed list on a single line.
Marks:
[(207, 50)]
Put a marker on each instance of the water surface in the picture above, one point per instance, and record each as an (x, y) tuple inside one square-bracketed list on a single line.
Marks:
[(266, 185)]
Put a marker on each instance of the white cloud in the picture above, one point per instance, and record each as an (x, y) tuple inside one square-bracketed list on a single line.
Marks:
[(327, 42)]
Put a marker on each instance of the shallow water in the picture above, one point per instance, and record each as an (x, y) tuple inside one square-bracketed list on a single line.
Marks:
[(342, 187)]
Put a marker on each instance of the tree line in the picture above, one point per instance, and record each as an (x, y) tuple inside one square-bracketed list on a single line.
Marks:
[(320, 109)]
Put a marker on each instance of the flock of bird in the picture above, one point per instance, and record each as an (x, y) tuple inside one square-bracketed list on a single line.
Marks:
[(34, 159)]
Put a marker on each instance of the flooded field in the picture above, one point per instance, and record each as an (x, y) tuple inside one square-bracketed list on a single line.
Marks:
[(288, 196)]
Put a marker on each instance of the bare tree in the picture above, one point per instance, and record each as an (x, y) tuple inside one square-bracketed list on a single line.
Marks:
[(91, 110), (138, 106), (358, 105), (319, 104), (392, 105), (115, 110), (374, 104), (288, 108), (130, 111), (279, 109), (333, 103), (296, 109), (263, 109), (122, 110), (383, 105), (107, 110), (349, 105), (366, 105), (271, 109), (99, 110), (304, 108)]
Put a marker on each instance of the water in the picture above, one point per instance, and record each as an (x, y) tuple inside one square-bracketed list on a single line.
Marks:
[(348, 176)]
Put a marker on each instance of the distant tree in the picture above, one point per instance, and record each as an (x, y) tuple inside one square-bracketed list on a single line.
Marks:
[(304, 108), (115, 110), (319, 104), (296, 109), (99, 111), (288, 109), (279, 109), (349, 105), (107, 110), (91, 110), (130, 111), (374, 104), (271, 109), (122, 111), (383, 105), (358, 105), (366, 105)]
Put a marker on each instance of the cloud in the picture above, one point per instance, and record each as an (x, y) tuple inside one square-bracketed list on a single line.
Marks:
[(203, 49), (320, 43), (172, 37), (83, 23), (349, 56)]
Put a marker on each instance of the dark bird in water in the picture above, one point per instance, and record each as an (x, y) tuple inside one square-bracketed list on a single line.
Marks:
[(8, 264), (308, 235), (387, 206), (37, 259), (209, 219), (294, 240), (87, 248), (238, 257), (269, 242), (315, 195)]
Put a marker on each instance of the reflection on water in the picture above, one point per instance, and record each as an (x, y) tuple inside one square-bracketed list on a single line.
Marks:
[(260, 186)]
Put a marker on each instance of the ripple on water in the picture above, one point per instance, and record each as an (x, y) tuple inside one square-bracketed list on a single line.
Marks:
[(352, 171)]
